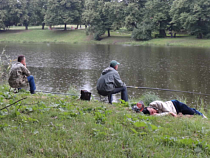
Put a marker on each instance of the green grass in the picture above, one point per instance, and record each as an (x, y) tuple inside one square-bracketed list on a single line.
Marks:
[(36, 35), (63, 126)]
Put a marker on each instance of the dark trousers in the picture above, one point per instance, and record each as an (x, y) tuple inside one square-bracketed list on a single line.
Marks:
[(124, 94), (31, 83), (184, 109)]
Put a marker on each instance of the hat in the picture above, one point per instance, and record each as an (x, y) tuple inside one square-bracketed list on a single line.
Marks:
[(113, 63), (142, 105)]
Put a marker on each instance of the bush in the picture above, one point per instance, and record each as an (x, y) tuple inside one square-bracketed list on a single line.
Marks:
[(5, 64), (147, 98), (208, 36), (97, 31), (143, 32), (97, 35)]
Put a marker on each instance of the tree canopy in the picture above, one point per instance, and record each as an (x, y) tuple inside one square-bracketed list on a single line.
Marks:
[(142, 17)]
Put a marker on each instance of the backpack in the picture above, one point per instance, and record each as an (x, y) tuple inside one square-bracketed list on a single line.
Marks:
[(85, 95)]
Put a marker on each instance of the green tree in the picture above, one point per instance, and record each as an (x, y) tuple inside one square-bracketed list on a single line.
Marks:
[(8, 13), (62, 12), (192, 15), (133, 15), (40, 12), (157, 11), (92, 17), (142, 31), (26, 12), (3, 4), (103, 16)]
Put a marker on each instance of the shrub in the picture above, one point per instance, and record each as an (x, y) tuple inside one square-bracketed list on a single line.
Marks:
[(143, 32), (147, 98), (208, 36), (5, 64)]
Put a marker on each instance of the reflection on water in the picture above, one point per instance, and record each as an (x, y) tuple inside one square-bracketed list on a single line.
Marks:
[(57, 66)]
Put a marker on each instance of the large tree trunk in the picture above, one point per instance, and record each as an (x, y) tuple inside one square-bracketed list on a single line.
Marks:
[(162, 32), (200, 35), (43, 24), (26, 26), (85, 26), (108, 32), (65, 27), (77, 26)]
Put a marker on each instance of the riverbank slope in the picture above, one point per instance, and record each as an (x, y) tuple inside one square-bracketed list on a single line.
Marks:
[(63, 126), (80, 37)]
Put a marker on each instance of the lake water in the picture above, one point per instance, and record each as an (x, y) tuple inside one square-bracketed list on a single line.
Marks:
[(58, 66)]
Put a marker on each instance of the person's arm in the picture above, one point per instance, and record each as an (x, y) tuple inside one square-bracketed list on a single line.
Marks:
[(161, 107), (117, 80), (25, 71), (166, 113)]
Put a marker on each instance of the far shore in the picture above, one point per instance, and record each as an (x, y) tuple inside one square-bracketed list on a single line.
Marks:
[(78, 36)]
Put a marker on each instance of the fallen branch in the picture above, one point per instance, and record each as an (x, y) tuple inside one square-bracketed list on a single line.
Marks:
[(12, 104)]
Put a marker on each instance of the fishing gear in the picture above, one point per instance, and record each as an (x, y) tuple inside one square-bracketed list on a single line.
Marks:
[(172, 90), (85, 95), (56, 93)]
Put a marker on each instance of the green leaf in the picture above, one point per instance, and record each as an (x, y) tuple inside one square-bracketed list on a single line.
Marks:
[(140, 124), (134, 131)]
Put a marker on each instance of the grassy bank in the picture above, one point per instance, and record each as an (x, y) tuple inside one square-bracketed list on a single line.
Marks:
[(63, 126), (36, 35)]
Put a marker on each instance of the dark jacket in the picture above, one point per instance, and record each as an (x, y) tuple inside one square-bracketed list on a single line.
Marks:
[(109, 80)]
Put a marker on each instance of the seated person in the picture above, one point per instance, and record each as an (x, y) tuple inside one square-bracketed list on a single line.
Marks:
[(110, 83), (160, 108), (19, 75)]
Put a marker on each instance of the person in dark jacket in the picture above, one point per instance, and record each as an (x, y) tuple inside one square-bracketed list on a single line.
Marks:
[(110, 83)]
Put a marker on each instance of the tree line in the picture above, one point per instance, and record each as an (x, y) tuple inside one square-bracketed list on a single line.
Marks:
[(142, 17)]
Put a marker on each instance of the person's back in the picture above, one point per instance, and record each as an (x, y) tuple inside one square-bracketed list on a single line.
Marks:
[(18, 75), (110, 82)]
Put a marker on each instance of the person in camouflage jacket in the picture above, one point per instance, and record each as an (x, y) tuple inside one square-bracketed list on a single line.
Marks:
[(19, 75)]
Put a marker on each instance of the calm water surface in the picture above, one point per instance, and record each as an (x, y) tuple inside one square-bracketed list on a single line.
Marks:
[(58, 66)]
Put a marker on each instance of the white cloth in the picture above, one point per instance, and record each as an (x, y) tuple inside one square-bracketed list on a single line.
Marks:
[(163, 108)]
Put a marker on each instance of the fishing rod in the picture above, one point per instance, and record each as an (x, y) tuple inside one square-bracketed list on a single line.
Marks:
[(172, 90), (47, 92), (56, 93)]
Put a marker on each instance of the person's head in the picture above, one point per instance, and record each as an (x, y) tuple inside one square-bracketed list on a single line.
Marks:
[(149, 111), (114, 64), (140, 105), (22, 59)]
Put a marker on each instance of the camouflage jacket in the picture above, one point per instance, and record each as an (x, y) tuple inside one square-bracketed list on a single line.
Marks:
[(18, 75)]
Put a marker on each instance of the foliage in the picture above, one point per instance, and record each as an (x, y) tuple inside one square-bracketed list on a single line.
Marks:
[(5, 65), (132, 15), (102, 16), (192, 15), (158, 13), (147, 98), (208, 36), (62, 12), (142, 32), (61, 126), (105, 15)]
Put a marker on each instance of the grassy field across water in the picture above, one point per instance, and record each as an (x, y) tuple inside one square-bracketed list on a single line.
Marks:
[(63, 126), (72, 36)]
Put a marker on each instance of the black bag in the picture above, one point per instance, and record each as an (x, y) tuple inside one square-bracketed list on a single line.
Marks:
[(85, 95)]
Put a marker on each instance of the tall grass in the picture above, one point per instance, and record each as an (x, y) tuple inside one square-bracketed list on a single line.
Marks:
[(5, 65)]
